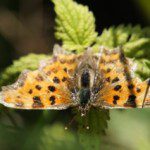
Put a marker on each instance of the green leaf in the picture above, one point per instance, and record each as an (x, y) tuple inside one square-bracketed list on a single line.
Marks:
[(135, 40), (143, 68), (31, 62), (96, 120), (48, 137), (75, 25)]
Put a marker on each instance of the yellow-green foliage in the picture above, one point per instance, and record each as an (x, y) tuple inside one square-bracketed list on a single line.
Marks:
[(134, 40), (75, 25)]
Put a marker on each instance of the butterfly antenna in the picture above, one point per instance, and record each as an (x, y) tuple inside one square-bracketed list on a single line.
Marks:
[(70, 123), (86, 123), (86, 120), (146, 92)]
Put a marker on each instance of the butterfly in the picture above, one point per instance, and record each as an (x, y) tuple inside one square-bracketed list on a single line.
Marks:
[(105, 79)]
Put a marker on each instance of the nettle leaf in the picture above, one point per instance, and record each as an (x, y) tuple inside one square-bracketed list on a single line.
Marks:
[(143, 68), (75, 25), (31, 62), (96, 119), (135, 42)]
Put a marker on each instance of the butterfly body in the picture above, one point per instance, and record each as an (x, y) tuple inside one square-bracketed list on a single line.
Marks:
[(105, 79)]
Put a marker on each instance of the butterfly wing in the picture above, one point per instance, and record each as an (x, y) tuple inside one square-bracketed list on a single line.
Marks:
[(120, 88), (46, 88)]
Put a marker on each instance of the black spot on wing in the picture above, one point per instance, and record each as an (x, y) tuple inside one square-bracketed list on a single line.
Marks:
[(132, 98), (108, 79), (37, 102), (64, 79), (138, 90), (38, 87), (52, 99), (115, 98), (65, 69), (117, 87), (115, 80), (131, 101), (131, 86), (51, 88), (36, 98), (30, 91), (56, 80)]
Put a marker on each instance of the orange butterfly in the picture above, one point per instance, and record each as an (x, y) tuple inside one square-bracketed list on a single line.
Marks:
[(105, 79)]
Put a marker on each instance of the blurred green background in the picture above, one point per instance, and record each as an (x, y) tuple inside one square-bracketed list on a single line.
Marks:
[(28, 27)]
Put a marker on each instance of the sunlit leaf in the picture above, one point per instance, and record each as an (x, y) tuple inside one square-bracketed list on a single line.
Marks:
[(75, 25)]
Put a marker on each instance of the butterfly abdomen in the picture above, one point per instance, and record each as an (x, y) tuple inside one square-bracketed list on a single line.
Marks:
[(84, 96)]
